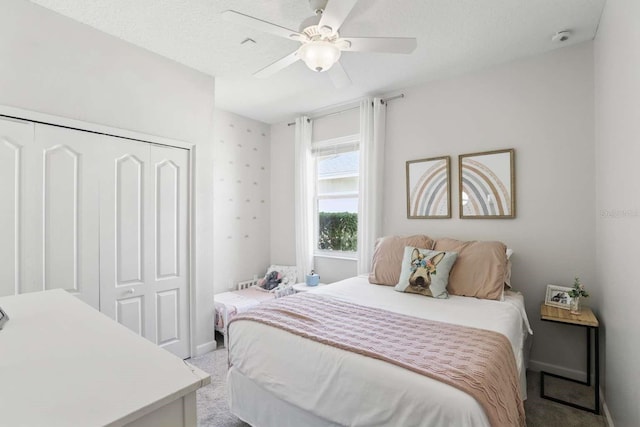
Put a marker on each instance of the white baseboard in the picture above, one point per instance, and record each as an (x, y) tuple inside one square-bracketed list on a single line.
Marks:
[(605, 411), (537, 366), (206, 348)]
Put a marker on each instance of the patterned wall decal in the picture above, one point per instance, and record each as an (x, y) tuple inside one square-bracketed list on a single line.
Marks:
[(241, 225), (428, 188)]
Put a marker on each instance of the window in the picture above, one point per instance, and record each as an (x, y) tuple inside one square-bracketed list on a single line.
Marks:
[(337, 166)]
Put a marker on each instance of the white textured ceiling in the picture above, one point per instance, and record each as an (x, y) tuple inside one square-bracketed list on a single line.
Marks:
[(454, 36)]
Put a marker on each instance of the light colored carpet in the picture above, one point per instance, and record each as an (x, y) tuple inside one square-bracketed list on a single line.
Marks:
[(213, 410)]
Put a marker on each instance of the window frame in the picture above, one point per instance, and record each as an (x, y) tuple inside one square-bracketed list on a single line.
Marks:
[(319, 146)]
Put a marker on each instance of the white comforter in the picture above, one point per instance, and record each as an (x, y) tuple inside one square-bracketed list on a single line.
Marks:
[(345, 388)]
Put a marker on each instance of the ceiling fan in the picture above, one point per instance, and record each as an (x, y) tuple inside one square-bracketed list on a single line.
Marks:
[(321, 43)]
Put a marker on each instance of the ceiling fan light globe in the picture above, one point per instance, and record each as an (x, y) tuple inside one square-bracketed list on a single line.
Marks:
[(319, 55)]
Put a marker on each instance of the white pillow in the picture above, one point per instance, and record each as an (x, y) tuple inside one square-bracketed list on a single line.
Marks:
[(289, 273)]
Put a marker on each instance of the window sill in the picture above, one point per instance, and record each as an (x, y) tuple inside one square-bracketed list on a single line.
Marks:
[(337, 255)]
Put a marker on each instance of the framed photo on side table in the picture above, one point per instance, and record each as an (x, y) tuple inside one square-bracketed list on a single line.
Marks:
[(558, 296)]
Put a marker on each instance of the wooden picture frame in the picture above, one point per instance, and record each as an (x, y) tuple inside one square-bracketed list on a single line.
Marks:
[(429, 188), (4, 318), (487, 185), (558, 296)]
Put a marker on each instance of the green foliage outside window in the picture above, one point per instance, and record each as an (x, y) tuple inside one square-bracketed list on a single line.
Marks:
[(338, 231)]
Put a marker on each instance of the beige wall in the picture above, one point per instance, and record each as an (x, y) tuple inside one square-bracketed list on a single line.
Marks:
[(339, 122), (617, 118), (542, 107), (54, 65)]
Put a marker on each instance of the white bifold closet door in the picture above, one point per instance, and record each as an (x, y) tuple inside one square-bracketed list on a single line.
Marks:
[(14, 136), (62, 174), (102, 217), (49, 188), (143, 241)]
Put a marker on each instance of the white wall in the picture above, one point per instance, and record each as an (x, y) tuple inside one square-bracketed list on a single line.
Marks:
[(54, 65), (283, 239), (344, 121), (617, 101), (241, 197), (542, 107)]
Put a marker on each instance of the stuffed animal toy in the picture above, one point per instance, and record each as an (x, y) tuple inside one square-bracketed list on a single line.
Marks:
[(271, 281)]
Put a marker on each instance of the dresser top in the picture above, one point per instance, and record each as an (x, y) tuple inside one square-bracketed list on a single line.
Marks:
[(65, 363)]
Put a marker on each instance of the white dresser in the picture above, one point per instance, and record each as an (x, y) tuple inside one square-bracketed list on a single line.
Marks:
[(63, 363)]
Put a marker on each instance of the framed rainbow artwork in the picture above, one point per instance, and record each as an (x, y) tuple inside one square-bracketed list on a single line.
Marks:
[(487, 185), (429, 188)]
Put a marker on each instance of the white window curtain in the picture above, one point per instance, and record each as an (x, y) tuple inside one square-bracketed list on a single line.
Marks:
[(372, 138), (304, 196)]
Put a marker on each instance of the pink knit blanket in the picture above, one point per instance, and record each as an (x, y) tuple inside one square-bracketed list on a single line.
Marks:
[(477, 361)]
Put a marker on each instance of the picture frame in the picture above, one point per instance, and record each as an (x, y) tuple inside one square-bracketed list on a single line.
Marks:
[(429, 188), (487, 185), (558, 296), (4, 318)]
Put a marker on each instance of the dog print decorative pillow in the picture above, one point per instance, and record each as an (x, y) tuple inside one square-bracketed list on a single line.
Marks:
[(426, 272)]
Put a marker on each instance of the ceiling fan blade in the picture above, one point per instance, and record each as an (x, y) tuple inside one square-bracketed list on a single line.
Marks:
[(335, 13), (280, 64), (381, 44), (339, 76), (259, 24)]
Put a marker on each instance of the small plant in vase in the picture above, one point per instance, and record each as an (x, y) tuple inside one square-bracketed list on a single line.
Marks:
[(576, 293)]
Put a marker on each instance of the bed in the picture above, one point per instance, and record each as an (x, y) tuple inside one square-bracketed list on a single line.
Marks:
[(279, 379), (249, 294), (358, 353)]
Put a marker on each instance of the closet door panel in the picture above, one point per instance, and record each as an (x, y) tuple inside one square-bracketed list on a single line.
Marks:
[(169, 205), (168, 313), (130, 313), (68, 211), (14, 136), (61, 212), (125, 256), (143, 241), (129, 222), (167, 213)]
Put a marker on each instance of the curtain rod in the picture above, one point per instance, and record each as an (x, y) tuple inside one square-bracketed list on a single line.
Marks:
[(383, 101)]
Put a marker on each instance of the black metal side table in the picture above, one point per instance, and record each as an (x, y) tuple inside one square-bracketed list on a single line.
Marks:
[(589, 321)]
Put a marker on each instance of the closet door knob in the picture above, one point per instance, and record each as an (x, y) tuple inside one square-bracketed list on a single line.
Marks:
[(131, 291)]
